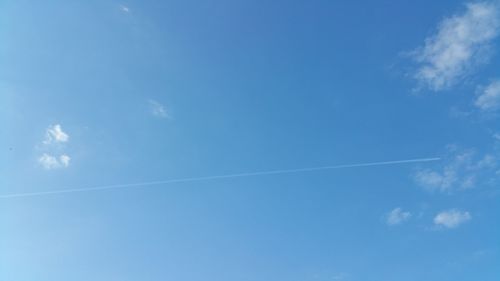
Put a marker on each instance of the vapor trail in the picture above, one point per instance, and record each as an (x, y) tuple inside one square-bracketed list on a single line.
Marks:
[(194, 179)]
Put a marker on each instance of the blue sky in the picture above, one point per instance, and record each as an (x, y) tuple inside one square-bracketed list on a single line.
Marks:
[(98, 93)]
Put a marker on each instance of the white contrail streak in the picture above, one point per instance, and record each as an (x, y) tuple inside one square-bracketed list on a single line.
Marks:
[(194, 179)]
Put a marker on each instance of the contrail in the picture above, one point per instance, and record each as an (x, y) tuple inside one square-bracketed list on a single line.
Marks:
[(194, 179)]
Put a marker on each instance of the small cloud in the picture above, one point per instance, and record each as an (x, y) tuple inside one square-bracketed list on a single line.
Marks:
[(461, 42), (441, 181), (489, 99), (157, 109), (451, 218), (50, 162), (462, 169), (397, 216), (55, 133), (487, 162), (456, 112), (64, 160), (124, 9), (496, 136)]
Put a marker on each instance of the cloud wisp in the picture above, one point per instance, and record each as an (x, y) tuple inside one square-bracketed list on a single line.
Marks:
[(489, 99), (124, 9), (452, 218), (157, 109), (397, 216), (461, 42), (464, 169)]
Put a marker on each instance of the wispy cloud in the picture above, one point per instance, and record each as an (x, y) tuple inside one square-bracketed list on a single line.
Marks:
[(451, 218), (496, 137), (124, 9), (464, 169), (436, 179), (397, 216), (64, 160), (461, 42), (489, 99), (54, 133), (157, 109), (50, 162)]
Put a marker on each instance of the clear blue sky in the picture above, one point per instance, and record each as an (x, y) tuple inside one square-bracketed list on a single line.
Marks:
[(97, 93)]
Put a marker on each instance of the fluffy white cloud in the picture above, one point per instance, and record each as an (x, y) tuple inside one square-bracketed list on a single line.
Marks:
[(462, 170), (50, 162), (397, 216), (157, 109), (451, 218), (461, 42), (489, 99), (55, 134)]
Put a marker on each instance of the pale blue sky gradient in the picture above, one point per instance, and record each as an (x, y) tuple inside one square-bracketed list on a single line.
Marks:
[(158, 90)]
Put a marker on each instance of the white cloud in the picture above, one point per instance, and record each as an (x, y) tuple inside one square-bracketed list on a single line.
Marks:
[(55, 134), (462, 41), (397, 216), (436, 180), (489, 99), (487, 162), (157, 109), (124, 8), (64, 160), (464, 169), (50, 162), (451, 218)]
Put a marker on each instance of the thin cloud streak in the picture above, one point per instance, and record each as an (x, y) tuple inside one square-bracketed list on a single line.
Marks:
[(207, 178)]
